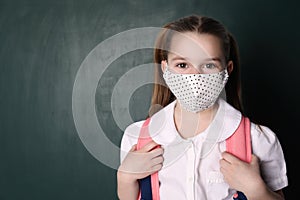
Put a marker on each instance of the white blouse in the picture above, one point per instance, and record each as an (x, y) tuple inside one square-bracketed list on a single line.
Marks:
[(191, 167)]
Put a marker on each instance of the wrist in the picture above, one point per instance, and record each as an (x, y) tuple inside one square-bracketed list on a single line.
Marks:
[(256, 190), (128, 186), (262, 191), (125, 177)]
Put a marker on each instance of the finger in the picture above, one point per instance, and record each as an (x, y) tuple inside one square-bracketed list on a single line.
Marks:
[(148, 147), (157, 152), (133, 148), (156, 167), (224, 164), (229, 157), (158, 160)]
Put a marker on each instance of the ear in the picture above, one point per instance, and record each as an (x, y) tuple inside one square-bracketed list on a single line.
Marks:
[(230, 67), (163, 65)]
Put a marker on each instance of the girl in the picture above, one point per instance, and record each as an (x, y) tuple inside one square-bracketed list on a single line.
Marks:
[(196, 58)]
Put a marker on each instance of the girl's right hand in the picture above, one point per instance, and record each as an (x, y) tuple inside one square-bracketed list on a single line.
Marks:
[(141, 163)]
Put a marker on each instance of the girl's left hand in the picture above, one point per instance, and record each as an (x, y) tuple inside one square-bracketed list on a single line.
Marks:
[(240, 175)]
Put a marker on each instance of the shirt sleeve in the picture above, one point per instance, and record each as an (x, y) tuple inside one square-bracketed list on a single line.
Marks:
[(267, 148), (129, 138)]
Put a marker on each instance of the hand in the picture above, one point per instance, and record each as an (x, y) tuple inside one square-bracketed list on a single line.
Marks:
[(241, 175), (140, 163)]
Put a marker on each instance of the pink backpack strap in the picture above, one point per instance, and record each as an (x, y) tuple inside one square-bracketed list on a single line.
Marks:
[(145, 138), (239, 144)]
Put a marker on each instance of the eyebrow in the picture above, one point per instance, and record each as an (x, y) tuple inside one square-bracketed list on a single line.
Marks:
[(214, 59), (178, 58), (207, 59)]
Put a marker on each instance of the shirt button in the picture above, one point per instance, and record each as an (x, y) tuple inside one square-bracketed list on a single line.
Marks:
[(190, 179)]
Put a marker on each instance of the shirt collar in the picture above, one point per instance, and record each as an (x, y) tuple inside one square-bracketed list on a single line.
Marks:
[(226, 121)]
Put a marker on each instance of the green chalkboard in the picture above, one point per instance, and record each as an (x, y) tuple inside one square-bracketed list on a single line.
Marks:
[(44, 43)]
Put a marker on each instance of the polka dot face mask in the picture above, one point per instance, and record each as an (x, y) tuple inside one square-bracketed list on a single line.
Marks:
[(196, 92)]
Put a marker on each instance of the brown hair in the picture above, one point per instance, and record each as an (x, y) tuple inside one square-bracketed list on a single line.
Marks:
[(161, 94)]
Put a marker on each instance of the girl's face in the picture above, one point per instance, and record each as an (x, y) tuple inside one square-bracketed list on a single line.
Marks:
[(193, 53)]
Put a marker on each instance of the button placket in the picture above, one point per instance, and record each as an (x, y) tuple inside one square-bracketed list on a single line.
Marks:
[(190, 171)]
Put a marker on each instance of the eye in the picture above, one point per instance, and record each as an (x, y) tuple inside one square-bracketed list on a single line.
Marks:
[(210, 66), (182, 65)]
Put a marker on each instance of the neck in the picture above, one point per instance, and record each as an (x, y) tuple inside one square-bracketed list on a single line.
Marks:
[(190, 124)]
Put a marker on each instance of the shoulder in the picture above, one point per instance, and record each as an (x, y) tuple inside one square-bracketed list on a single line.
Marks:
[(130, 138), (160, 121), (264, 140), (133, 129), (263, 131), (131, 134), (260, 134)]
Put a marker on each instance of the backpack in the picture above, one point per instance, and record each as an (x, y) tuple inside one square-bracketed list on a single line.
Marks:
[(238, 144)]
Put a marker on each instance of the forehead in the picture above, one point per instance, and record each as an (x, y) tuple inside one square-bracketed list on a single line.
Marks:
[(195, 46)]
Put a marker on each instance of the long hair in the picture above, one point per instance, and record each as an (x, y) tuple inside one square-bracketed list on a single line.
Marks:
[(161, 94)]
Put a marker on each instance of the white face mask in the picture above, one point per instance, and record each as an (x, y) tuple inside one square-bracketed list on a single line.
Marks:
[(196, 92)]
